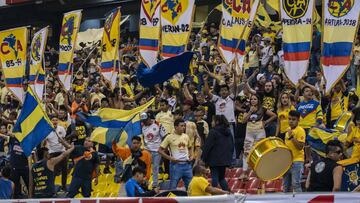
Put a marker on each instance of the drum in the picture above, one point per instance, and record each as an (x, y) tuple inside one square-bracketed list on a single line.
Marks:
[(270, 158)]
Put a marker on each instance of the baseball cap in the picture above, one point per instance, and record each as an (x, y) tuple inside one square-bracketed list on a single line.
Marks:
[(144, 116), (259, 76)]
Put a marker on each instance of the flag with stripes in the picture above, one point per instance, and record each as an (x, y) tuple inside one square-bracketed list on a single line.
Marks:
[(33, 125), (296, 18), (341, 19), (176, 23)]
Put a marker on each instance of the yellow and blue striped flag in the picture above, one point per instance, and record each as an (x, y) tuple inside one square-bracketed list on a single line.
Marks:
[(33, 125), (122, 136), (113, 118)]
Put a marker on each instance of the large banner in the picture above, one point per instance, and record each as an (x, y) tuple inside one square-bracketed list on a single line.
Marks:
[(243, 13), (110, 46), (226, 43), (176, 22), (149, 31), (341, 19), (13, 45), (69, 29), (37, 73), (296, 19)]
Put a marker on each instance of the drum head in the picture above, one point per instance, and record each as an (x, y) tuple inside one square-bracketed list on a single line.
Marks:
[(274, 164)]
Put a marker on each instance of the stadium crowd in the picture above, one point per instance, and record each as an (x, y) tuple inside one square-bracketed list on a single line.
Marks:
[(203, 122)]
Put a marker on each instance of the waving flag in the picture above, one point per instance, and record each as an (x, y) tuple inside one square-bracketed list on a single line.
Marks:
[(122, 136), (341, 20), (113, 118), (33, 125), (69, 29), (149, 31), (176, 19), (244, 14), (13, 45), (37, 74), (226, 43), (296, 18), (110, 46)]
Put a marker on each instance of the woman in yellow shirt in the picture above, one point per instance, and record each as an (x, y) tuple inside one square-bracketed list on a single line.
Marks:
[(283, 108), (354, 136), (199, 186)]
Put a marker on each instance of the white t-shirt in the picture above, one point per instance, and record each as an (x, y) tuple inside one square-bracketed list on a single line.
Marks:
[(53, 141), (153, 135), (267, 52), (224, 107)]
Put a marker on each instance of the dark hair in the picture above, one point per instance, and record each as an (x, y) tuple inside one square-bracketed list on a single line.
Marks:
[(137, 138), (224, 86), (330, 146), (356, 113), (221, 120), (40, 153), (164, 101), (303, 89), (178, 121), (294, 113), (138, 170), (6, 172)]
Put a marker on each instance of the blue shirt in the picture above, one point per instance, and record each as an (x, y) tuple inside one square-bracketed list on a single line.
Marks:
[(6, 189), (131, 186)]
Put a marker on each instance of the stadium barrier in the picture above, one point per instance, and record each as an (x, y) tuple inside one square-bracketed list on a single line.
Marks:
[(237, 198)]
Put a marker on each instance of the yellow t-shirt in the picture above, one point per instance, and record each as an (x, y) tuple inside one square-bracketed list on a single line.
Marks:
[(311, 113), (198, 186), (355, 133), (299, 134), (283, 116), (339, 103), (178, 146), (166, 119)]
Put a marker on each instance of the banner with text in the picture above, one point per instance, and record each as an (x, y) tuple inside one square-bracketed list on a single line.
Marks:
[(37, 73), (341, 19), (176, 19), (296, 19), (149, 31), (13, 58), (110, 46), (226, 42), (69, 29)]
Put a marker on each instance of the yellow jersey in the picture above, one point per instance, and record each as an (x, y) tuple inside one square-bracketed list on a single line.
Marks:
[(339, 104), (355, 133), (299, 134), (311, 113), (197, 186), (283, 116)]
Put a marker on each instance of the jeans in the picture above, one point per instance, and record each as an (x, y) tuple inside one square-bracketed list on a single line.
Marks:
[(292, 178), (155, 164), (180, 171), (218, 177), (76, 184), (61, 168), (16, 174)]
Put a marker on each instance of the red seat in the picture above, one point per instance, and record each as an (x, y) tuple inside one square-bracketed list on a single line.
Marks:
[(238, 172), (227, 172), (252, 174), (278, 185), (252, 186), (239, 184), (232, 182), (270, 186)]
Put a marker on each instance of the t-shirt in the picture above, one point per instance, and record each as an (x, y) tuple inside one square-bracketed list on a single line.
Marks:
[(283, 116), (339, 104), (355, 133), (299, 134), (85, 162), (178, 146), (43, 180), (18, 159), (166, 119), (53, 141), (153, 135), (310, 112), (224, 107), (198, 186), (253, 59), (59, 99), (266, 52)]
